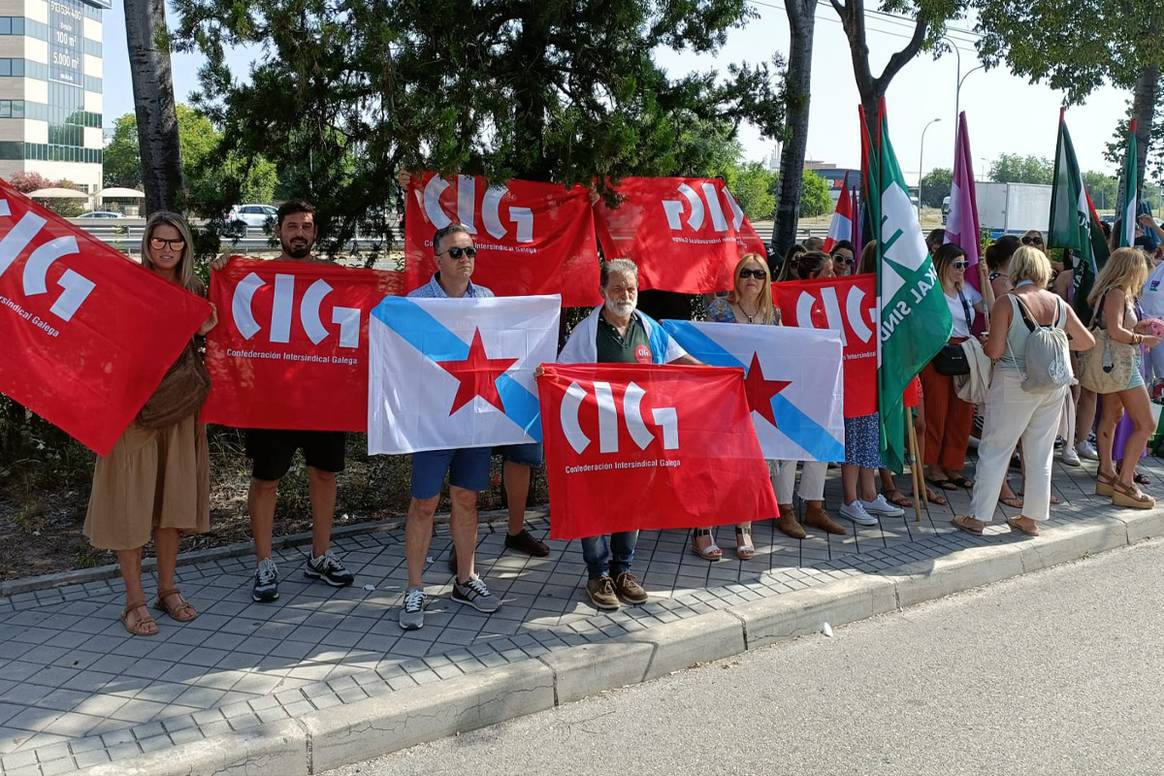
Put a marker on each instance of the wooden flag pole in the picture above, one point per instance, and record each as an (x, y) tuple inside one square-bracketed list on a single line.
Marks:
[(987, 292), (919, 483)]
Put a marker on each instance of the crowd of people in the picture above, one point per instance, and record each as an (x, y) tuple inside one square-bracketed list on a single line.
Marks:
[(155, 482)]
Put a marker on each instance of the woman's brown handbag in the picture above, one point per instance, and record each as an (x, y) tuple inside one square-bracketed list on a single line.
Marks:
[(1106, 367), (181, 394)]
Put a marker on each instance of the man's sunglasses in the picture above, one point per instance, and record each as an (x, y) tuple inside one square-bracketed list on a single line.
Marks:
[(456, 253), (1032, 240), (960, 264), (758, 274)]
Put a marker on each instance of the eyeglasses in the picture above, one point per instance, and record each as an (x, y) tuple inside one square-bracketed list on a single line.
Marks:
[(960, 264), (177, 244), (758, 274), (847, 260), (1032, 240), (456, 253)]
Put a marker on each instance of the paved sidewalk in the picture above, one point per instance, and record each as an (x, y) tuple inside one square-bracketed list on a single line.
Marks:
[(76, 690)]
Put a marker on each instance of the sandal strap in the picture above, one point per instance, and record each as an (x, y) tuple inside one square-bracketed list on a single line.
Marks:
[(129, 607), (701, 532)]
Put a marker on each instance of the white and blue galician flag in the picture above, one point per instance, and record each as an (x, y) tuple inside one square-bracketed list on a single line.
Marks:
[(450, 373), (793, 379)]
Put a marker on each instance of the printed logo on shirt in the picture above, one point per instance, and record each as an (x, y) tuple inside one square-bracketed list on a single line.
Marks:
[(642, 354)]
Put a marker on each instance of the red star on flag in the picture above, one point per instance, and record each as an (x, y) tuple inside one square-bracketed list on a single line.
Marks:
[(477, 374), (761, 391)]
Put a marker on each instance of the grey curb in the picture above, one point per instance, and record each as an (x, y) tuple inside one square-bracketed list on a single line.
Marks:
[(348, 734), (111, 571)]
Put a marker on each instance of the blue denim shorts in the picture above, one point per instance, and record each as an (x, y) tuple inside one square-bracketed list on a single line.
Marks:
[(530, 454), (467, 467)]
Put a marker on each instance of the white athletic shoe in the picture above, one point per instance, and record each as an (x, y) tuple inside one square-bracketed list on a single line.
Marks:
[(1069, 457), (856, 512), (879, 506), (1087, 450)]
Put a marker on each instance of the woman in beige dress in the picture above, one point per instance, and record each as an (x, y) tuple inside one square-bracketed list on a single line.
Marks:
[(156, 481)]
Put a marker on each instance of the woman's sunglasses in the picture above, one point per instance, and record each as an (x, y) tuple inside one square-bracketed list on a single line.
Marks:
[(960, 264), (177, 244), (1032, 240), (758, 274)]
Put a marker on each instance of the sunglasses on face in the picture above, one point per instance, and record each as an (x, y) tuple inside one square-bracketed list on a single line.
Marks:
[(177, 244), (960, 264), (758, 274), (456, 253), (846, 260), (1032, 240)]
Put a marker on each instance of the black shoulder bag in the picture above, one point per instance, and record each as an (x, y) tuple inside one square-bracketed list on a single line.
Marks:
[(951, 360)]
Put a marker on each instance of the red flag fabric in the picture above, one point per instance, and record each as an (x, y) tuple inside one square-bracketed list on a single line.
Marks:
[(88, 334), (848, 304), (532, 238), (685, 234), (291, 347), (841, 227), (675, 443)]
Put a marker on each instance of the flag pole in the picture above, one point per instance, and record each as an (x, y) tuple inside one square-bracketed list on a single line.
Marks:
[(919, 483), (987, 292)]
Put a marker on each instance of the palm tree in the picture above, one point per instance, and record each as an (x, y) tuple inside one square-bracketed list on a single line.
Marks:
[(153, 95)]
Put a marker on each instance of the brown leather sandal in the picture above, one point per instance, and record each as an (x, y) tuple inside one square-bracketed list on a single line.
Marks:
[(145, 625), (970, 525), (1130, 496), (183, 612), (1015, 525)]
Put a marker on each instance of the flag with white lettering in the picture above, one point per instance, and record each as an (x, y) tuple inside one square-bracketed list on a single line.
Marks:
[(88, 334), (792, 378), (291, 347), (448, 373)]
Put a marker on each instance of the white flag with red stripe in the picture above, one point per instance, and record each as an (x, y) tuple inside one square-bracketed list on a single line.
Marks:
[(841, 227)]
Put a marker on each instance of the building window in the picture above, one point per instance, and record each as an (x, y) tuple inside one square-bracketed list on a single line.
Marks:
[(92, 47), (92, 84)]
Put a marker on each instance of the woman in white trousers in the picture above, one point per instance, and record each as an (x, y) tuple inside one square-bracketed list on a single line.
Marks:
[(1013, 414)]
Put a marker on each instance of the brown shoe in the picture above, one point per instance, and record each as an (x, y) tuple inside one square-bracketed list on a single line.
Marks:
[(601, 592), (788, 524), (816, 517), (525, 542), (629, 589)]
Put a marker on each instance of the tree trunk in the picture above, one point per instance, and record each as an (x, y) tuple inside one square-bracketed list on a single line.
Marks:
[(797, 89), (1144, 100), (153, 96)]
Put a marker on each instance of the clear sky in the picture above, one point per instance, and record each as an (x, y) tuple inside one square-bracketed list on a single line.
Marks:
[(1005, 113)]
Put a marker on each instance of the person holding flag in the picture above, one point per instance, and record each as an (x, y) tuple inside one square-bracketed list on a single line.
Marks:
[(617, 332)]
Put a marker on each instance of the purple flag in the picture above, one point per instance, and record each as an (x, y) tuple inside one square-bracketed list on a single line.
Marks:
[(962, 226)]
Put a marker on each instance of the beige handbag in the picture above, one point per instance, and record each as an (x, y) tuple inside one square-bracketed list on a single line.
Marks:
[(1107, 367)]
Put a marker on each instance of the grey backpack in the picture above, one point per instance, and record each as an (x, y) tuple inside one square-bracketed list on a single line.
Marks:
[(1048, 363)]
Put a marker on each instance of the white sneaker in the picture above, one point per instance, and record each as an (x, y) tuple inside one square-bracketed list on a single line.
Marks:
[(856, 512), (1068, 456), (879, 506), (1087, 450)]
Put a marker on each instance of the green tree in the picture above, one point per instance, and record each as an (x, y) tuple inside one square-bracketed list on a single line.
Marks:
[(344, 94), (754, 186), (935, 186), (797, 99), (1015, 168), (203, 170), (1117, 146), (815, 199), (1079, 47), (1102, 188)]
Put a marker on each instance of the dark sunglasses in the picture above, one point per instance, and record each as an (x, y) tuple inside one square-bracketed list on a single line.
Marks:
[(456, 253), (843, 260), (960, 264), (177, 244), (1032, 240), (758, 274)]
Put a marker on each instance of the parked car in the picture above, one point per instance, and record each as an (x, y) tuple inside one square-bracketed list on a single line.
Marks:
[(243, 218), (101, 214)]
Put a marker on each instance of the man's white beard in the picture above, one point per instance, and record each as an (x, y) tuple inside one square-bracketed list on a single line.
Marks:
[(620, 309)]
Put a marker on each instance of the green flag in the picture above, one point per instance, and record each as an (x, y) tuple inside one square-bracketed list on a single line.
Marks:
[(1129, 189), (1074, 223), (915, 320)]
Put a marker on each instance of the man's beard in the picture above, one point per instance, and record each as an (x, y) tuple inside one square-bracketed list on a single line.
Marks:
[(621, 309), (297, 249)]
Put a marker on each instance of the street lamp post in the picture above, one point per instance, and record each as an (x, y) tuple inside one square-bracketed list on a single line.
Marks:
[(958, 92), (920, 156)]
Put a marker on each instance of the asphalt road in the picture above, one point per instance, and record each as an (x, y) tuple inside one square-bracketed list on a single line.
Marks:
[(1058, 672)]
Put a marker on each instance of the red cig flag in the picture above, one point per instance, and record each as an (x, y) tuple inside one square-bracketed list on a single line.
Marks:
[(291, 347), (631, 446), (87, 333)]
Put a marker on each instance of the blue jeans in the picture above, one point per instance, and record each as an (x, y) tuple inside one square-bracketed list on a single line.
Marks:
[(596, 551)]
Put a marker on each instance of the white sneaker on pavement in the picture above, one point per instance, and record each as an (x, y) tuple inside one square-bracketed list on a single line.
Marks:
[(1069, 457), (856, 512), (879, 506), (1087, 450)]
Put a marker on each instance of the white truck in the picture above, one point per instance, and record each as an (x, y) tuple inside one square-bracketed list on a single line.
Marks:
[(1010, 207)]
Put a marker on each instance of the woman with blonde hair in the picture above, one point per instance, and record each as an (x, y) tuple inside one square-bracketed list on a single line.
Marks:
[(1113, 298), (1012, 412), (156, 480), (749, 302)]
